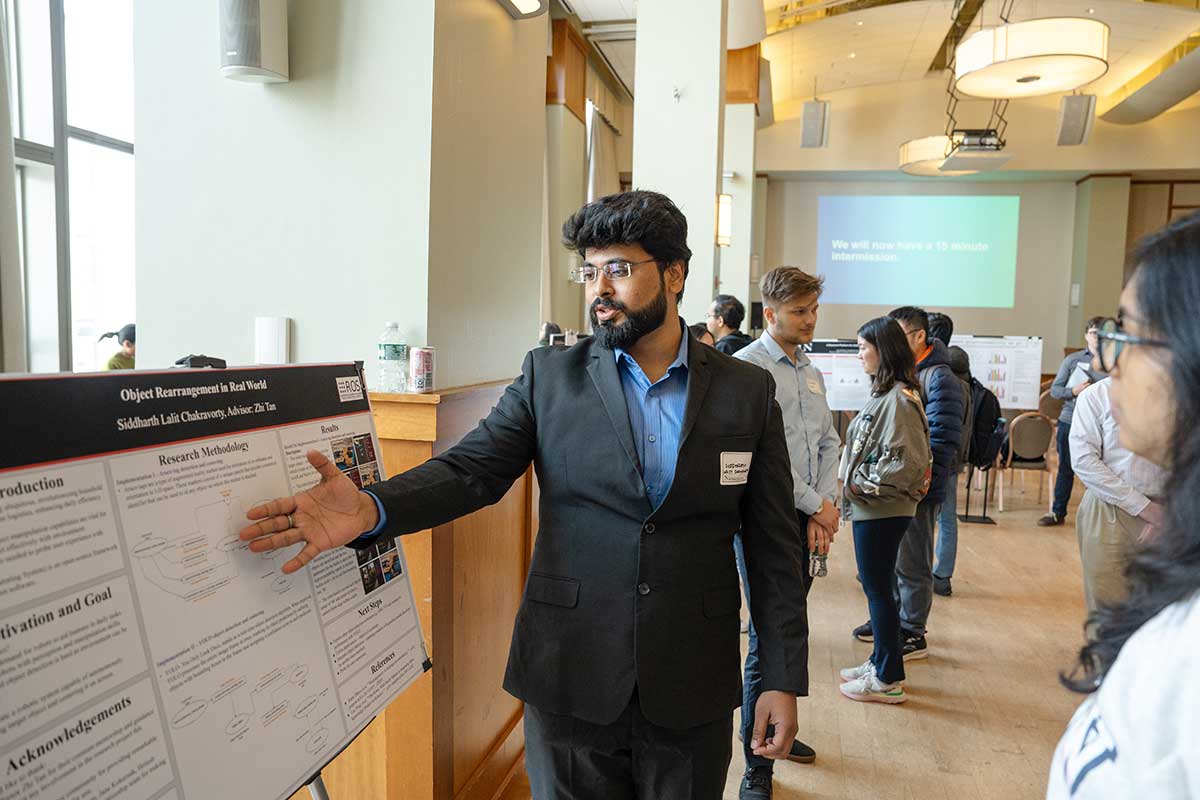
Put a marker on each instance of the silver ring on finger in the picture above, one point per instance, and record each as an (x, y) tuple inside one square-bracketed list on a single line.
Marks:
[(291, 521)]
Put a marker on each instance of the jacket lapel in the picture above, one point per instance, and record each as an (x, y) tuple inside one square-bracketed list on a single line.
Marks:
[(603, 371), (699, 375)]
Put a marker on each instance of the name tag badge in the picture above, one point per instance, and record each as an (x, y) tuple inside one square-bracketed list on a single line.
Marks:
[(735, 468), (814, 385)]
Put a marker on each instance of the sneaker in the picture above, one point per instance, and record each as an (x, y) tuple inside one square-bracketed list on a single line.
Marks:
[(941, 586), (801, 753), (756, 784), (913, 647), (1050, 520), (870, 689), (861, 671), (863, 632)]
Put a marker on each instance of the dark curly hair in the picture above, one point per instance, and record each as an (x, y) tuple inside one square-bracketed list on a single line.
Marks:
[(1165, 569), (647, 219)]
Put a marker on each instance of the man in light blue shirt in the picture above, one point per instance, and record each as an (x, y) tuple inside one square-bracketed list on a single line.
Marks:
[(790, 300), (656, 416)]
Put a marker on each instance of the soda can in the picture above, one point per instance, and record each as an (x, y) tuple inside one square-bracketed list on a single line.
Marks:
[(420, 369)]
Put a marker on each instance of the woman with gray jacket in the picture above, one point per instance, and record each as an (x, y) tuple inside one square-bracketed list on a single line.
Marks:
[(885, 471)]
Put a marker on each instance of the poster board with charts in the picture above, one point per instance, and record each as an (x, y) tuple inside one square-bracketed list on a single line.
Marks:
[(847, 387), (1011, 366), (145, 651)]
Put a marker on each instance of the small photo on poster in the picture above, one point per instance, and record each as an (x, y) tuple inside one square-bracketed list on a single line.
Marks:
[(365, 554), (353, 475), (364, 448), (370, 474), (343, 453), (372, 576), (389, 564), (385, 543)]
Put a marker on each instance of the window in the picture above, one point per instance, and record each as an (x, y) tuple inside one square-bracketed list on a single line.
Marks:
[(71, 91)]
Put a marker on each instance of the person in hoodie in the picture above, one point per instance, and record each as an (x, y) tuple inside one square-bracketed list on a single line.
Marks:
[(885, 471), (942, 395), (941, 327)]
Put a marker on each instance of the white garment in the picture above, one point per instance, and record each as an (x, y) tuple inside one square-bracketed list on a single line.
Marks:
[(1139, 735), (1112, 473)]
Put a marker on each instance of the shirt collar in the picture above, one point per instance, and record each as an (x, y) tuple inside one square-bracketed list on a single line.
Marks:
[(681, 357), (777, 353)]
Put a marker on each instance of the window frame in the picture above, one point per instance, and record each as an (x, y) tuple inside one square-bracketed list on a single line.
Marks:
[(56, 157)]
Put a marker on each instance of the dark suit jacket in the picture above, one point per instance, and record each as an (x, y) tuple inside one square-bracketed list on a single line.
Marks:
[(618, 593)]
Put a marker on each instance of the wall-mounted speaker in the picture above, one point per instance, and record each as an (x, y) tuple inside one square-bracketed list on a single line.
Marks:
[(254, 42), (1076, 113), (814, 128)]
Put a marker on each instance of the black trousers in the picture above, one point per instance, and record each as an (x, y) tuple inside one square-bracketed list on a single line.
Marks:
[(1065, 480), (630, 759)]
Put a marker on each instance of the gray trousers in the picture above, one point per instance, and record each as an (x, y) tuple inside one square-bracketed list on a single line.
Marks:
[(914, 570)]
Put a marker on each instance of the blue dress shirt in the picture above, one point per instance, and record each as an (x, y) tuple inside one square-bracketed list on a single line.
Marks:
[(656, 417)]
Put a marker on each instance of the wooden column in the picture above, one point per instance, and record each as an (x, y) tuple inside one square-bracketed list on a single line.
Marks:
[(455, 734)]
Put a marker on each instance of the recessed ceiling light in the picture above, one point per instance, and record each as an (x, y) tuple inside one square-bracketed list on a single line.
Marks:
[(859, 23), (1091, 11), (852, 55)]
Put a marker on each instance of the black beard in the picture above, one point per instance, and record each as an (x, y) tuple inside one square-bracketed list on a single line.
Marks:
[(636, 325)]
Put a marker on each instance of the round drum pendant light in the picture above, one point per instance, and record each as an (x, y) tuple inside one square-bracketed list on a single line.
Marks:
[(1031, 58), (925, 157)]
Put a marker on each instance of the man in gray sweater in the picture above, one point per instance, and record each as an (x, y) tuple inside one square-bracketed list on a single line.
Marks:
[(1066, 390)]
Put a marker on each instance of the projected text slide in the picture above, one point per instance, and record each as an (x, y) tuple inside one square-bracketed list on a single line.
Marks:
[(928, 251)]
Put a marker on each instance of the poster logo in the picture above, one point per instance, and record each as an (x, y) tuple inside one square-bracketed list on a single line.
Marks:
[(349, 388)]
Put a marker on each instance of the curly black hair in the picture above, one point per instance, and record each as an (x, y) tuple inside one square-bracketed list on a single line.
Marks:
[(647, 219)]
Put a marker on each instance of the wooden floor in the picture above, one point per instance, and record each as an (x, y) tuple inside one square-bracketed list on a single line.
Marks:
[(985, 709)]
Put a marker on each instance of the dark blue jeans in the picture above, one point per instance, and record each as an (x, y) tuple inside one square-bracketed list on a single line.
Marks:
[(752, 680), (876, 545), (1066, 475)]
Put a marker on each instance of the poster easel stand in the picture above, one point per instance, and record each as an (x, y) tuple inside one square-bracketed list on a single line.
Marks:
[(316, 788), (980, 519), (315, 784)]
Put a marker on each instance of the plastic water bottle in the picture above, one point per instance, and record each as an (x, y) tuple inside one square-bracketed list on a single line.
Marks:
[(393, 360)]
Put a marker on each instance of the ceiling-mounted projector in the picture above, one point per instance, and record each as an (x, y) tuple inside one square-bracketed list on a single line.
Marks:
[(977, 149)]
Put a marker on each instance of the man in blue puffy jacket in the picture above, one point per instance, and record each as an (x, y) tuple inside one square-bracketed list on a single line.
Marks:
[(944, 407)]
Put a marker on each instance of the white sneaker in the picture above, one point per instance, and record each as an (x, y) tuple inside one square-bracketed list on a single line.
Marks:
[(861, 671), (869, 689)]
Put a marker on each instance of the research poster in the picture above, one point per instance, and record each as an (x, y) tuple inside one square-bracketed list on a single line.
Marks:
[(145, 652), (847, 387), (1011, 366)]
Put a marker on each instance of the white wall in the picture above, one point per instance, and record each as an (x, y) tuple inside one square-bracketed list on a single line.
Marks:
[(1043, 255), (489, 140), (868, 124), (307, 199), (566, 159), (738, 158), (679, 99)]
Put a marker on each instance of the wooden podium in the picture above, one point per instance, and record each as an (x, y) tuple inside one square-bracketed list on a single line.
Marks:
[(455, 734)]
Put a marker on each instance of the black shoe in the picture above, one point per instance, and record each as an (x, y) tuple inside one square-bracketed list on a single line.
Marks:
[(913, 647), (1050, 520), (941, 586), (801, 753), (863, 632), (756, 784)]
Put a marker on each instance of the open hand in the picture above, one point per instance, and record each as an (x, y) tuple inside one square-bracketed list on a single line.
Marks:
[(331, 514)]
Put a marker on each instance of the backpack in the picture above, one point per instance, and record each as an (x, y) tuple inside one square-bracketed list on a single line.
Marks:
[(987, 428), (968, 420)]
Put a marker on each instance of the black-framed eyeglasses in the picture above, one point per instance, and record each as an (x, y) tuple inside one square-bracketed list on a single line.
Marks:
[(613, 270), (1113, 341)]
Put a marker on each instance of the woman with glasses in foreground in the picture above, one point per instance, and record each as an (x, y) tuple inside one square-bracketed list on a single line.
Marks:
[(1138, 732)]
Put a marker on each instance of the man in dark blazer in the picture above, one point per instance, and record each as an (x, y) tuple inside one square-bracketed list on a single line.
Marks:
[(650, 453)]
